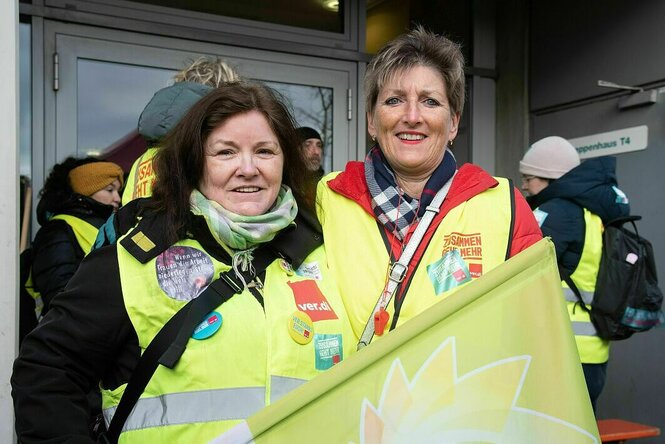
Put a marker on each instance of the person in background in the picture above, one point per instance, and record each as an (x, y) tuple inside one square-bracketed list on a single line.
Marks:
[(312, 147), (414, 92), (77, 198), (229, 181), (571, 202), (163, 112)]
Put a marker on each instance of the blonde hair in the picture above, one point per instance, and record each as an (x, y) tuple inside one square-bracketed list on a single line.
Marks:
[(208, 71)]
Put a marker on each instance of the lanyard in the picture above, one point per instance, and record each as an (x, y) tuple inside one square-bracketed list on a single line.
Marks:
[(399, 268)]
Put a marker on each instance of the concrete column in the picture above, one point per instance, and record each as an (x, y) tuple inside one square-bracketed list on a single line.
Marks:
[(9, 233), (483, 93), (512, 122)]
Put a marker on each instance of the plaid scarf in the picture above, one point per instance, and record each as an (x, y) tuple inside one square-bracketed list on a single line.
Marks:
[(245, 232), (392, 207)]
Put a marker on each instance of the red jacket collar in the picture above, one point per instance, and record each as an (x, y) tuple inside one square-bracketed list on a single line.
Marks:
[(469, 181)]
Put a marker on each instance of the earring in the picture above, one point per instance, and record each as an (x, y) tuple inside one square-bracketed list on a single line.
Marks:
[(450, 143), (373, 138)]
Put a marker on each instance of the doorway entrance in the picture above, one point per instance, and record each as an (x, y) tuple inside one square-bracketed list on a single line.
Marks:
[(96, 82)]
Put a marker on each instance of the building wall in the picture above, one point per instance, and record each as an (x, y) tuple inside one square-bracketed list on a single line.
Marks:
[(573, 45), (512, 115), (385, 21)]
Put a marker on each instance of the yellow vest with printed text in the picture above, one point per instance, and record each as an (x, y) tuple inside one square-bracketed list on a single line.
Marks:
[(141, 177), (592, 349), (250, 362), (471, 240)]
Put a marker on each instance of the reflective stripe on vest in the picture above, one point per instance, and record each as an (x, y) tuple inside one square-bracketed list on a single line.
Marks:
[(280, 386), (466, 237), (39, 302), (203, 406), (191, 407), (85, 232), (584, 329), (570, 296), (592, 349)]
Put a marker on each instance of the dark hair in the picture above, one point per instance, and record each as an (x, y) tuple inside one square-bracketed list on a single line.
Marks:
[(57, 189), (180, 163), (306, 132), (418, 48)]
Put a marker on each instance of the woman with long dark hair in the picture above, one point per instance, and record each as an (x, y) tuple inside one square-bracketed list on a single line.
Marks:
[(230, 192)]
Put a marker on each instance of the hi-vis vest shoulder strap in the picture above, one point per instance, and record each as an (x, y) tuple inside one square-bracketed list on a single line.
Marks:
[(471, 239), (592, 349), (85, 232)]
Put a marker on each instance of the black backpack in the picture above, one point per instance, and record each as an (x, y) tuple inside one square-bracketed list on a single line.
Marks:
[(627, 299)]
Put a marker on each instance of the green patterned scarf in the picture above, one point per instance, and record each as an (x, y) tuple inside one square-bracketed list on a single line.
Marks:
[(245, 232)]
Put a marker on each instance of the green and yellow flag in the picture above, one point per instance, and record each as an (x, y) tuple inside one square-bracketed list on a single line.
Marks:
[(494, 363)]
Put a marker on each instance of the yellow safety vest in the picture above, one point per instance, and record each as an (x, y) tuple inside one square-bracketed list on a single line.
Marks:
[(141, 177), (85, 234), (470, 241), (250, 362), (592, 349)]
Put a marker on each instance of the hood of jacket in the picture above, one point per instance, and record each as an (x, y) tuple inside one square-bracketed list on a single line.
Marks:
[(592, 185), (74, 204), (167, 107)]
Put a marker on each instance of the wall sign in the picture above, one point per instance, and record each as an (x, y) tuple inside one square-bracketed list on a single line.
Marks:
[(612, 142)]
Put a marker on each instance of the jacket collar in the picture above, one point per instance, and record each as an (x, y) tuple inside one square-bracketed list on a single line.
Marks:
[(469, 181)]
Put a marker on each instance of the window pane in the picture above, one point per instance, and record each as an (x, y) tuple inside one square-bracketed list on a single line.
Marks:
[(25, 98), (111, 97), (322, 15), (311, 106)]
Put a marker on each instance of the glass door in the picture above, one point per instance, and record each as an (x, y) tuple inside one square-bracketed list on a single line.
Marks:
[(97, 81)]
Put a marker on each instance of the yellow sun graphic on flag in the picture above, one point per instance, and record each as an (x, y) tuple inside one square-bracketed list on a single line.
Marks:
[(439, 406)]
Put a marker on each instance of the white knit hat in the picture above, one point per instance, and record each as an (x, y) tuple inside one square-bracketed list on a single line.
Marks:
[(549, 158)]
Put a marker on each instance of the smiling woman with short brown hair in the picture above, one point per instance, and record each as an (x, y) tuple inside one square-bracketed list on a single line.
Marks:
[(369, 212)]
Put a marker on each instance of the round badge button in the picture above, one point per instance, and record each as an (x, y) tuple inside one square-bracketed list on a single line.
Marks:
[(286, 267), (210, 326), (301, 327)]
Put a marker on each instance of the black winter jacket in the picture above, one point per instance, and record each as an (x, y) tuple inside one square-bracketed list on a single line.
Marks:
[(69, 358), (591, 185), (56, 252)]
